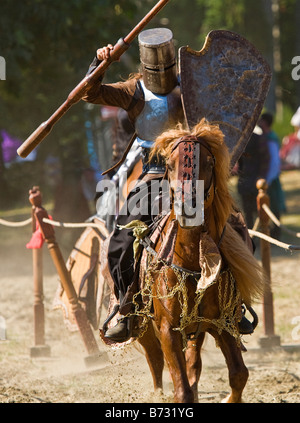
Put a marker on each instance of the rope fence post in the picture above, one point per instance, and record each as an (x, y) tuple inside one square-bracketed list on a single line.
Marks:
[(269, 339), (65, 279), (39, 349)]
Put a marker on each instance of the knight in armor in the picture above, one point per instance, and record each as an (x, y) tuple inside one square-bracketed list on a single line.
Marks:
[(152, 101)]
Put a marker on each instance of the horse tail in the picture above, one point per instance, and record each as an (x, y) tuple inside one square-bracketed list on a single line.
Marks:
[(247, 271)]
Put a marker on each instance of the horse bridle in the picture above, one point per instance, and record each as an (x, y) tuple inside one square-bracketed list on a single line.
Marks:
[(189, 158)]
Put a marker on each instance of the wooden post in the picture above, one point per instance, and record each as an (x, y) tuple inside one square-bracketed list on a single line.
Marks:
[(39, 349), (270, 339), (57, 258)]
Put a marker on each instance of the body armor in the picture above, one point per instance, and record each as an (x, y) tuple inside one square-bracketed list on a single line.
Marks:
[(161, 112), (158, 59)]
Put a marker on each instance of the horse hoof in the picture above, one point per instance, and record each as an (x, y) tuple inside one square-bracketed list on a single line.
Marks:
[(228, 400)]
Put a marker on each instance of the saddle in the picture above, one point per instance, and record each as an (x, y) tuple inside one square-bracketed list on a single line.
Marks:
[(84, 266)]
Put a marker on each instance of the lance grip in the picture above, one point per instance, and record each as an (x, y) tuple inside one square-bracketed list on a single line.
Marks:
[(79, 91), (34, 139)]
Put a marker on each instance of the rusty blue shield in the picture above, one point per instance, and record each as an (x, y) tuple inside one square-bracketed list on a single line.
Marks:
[(227, 83)]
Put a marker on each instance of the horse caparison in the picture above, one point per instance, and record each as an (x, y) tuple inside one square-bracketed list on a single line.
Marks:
[(182, 308)]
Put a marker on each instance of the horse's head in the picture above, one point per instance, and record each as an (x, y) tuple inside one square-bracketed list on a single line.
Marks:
[(198, 166), (191, 175)]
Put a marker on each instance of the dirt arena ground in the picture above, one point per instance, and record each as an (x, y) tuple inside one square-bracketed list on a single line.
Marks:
[(123, 376)]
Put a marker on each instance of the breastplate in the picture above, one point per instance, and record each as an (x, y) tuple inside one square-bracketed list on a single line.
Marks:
[(160, 113)]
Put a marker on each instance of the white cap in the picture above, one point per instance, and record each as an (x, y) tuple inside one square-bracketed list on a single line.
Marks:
[(295, 121)]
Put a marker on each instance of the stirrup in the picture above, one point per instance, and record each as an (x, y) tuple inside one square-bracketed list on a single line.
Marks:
[(245, 326), (110, 317), (122, 331)]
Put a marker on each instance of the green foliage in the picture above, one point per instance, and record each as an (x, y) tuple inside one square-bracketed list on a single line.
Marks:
[(283, 126), (48, 46)]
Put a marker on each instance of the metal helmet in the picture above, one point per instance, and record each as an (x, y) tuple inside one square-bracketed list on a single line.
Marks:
[(158, 59)]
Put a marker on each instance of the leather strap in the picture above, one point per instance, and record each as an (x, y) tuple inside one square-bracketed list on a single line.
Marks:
[(189, 160), (192, 138), (124, 155), (188, 165)]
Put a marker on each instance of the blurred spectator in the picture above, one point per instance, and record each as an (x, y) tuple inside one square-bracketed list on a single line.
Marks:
[(9, 147), (272, 170), (290, 150), (251, 167)]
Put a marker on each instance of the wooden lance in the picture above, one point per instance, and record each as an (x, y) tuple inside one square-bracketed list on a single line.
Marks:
[(79, 91)]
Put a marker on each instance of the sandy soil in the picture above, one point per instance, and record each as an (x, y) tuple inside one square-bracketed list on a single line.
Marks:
[(123, 376)]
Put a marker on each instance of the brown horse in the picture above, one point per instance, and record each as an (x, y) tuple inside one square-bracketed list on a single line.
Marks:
[(197, 277)]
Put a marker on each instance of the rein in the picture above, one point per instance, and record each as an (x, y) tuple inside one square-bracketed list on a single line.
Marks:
[(193, 139), (147, 244)]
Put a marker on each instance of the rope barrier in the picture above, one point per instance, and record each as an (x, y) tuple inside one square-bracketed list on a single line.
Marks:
[(273, 241), (76, 225), (54, 223), (277, 222), (252, 232), (15, 224), (256, 224)]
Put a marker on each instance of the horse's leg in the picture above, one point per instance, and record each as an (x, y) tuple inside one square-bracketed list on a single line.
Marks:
[(171, 342), (154, 356), (238, 372), (194, 363)]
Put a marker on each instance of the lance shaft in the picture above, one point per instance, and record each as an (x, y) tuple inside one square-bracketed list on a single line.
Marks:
[(79, 91)]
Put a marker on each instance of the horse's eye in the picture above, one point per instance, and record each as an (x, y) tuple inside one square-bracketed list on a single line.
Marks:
[(210, 161)]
